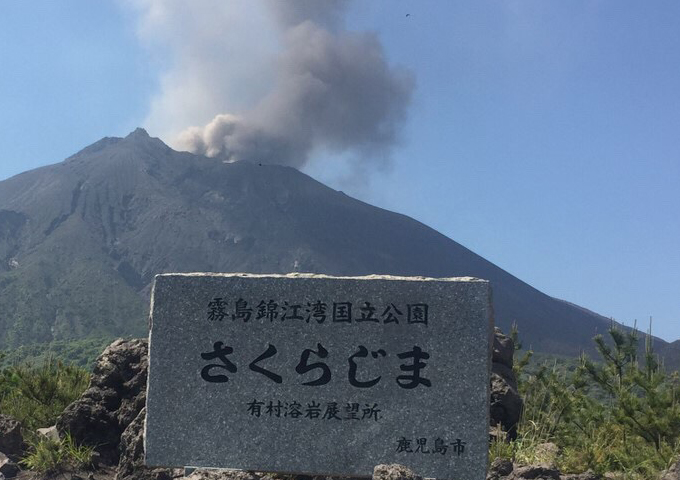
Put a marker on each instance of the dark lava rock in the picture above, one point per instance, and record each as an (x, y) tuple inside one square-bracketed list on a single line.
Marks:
[(7, 467), (208, 474), (503, 348), (11, 440), (131, 465), (535, 472), (500, 468), (116, 395), (394, 471), (506, 404), (589, 475)]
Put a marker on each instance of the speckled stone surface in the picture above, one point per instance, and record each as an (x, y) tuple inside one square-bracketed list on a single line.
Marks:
[(368, 400)]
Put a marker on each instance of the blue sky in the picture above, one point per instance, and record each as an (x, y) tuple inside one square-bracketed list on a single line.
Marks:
[(543, 135)]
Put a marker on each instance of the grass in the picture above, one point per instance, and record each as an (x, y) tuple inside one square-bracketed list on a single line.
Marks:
[(50, 456), (36, 395)]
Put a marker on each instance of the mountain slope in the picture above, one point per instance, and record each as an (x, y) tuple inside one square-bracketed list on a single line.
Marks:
[(81, 241)]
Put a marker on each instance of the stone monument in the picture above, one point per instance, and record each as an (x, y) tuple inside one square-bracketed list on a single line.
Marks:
[(319, 375)]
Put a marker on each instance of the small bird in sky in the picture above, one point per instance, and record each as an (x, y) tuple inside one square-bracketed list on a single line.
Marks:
[(408, 14)]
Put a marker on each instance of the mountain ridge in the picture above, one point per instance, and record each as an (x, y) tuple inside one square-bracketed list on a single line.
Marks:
[(81, 240)]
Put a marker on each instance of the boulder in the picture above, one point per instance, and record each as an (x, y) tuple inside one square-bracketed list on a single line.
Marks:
[(11, 440), (589, 475), (500, 468), (131, 465), (50, 433), (394, 471), (535, 472), (8, 468), (503, 350), (208, 474), (116, 395), (506, 404)]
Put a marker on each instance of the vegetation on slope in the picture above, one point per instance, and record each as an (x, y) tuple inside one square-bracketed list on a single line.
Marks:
[(621, 414), (81, 353)]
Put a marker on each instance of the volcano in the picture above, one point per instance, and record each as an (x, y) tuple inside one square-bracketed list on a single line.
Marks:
[(81, 241)]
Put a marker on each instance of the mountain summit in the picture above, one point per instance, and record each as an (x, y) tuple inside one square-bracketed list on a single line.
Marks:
[(81, 241)]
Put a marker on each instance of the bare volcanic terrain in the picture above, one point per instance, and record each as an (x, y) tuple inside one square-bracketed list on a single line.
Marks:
[(81, 241)]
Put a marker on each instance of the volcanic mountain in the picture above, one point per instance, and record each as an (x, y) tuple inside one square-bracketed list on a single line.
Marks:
[(81, 241)]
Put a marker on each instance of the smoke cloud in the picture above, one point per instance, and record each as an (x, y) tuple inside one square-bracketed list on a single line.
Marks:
[(309, 87), (326, 13)]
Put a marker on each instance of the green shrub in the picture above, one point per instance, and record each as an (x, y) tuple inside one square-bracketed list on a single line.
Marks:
[(621, 414), (36, 395)]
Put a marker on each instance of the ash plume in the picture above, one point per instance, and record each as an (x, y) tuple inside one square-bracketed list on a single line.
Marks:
[(326, 13), (327, 90)]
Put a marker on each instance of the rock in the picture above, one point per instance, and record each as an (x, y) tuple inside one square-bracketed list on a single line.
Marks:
[(207, 474), (8, 468), (589, 475), (503, 348), (537, 472), (500, 468), (506, 404), (672, 473), (50, 433), (394, 471), (132, 447), (96, 460), (179, 430), (116, 395), (11, 440), (131, 465)]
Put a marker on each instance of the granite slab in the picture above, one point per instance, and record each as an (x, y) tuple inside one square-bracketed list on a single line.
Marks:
[(319, 375)]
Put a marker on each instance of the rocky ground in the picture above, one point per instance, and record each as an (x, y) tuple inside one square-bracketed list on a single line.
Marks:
[(109, 416)]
